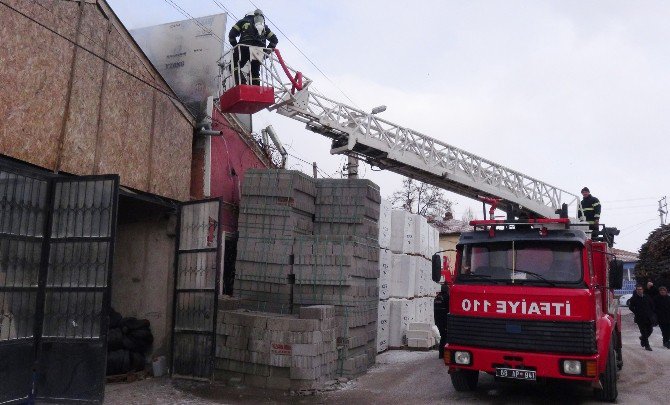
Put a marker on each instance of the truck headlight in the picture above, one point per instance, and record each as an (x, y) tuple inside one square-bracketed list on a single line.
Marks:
[(572, 367), (463, 358)]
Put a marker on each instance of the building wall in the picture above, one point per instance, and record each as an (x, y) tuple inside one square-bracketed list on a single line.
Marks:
[(97, 107), (231, 156), (143, 276)]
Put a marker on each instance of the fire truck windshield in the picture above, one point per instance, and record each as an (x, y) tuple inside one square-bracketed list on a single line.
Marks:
[(521, 262)]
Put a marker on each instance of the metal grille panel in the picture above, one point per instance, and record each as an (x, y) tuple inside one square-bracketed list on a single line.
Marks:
[(198, 256), (525, 335), (23, 213)]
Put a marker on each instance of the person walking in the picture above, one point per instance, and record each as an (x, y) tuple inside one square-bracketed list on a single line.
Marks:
[(253, 33), (642, 307), (590, 209), (662, 309)]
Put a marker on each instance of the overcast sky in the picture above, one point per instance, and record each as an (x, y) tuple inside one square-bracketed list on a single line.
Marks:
[(573, 93)]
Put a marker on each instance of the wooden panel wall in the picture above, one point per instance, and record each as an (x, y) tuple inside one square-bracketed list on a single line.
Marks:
[(96, 108)]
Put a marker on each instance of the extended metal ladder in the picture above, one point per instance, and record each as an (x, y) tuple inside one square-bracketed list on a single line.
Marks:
[(402, 150)]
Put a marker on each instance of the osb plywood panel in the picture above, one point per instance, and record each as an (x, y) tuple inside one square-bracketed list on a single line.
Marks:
[(125, 130), (81, 128), (171, 155), (93, 30), (35, 73)]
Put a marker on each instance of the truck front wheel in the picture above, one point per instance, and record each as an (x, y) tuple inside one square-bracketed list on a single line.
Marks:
[(609, 391), (465, 380)]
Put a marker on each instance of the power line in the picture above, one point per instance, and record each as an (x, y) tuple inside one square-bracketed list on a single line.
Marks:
[(198, 23), (630, 207), (324, 174), (639, 224), (306, 57), (152, 85), (224, 8), (631, 199)]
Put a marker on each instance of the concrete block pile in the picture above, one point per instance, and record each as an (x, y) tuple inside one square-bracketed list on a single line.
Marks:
[(339, 265), (277, 351), (406, 287), (306, 242), (342, 271), (276, 207)]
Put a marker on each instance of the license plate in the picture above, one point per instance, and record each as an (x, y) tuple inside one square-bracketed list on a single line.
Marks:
[(516, 374)]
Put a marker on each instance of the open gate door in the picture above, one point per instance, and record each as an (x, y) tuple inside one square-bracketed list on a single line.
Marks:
[(72, 348), (56, 243), (197, 263), (23, 217)]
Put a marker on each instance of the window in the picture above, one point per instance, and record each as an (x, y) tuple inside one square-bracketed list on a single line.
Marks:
[(525, 262)]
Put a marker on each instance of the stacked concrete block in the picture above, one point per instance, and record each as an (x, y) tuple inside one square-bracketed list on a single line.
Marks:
[(342, 271), (403, 232), (385, 268), (262, 273), (420, 335), (413, 241), (383, 324), (276, 203), (276, 206), (385, 214), (403, 276), (277, 351), (402, 313), (347, 207)]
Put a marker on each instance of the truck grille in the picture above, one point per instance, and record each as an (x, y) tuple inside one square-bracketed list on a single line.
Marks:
[(525, 335)]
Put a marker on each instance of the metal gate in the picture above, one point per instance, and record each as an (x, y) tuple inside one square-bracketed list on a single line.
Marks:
[(56, 243), (23, 223), (197, 263)]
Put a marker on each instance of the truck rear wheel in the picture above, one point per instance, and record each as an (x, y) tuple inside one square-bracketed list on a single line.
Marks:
[(609, 391), (465, 380)]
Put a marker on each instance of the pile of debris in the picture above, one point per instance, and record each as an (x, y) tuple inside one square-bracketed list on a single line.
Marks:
[(654, 257), (128, 341)]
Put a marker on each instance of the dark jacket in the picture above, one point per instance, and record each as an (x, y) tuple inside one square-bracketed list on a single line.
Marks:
[(590, 209), (642, 307), (662, 308), (249, 35)]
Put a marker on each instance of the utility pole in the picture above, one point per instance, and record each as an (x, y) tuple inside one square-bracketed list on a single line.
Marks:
[(663, 210), (314, 169)]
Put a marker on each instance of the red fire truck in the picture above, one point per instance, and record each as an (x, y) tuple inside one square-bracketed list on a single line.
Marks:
[(533, 300)]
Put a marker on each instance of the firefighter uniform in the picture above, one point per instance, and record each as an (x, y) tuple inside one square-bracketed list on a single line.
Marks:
[(591, 210), (252, 32)]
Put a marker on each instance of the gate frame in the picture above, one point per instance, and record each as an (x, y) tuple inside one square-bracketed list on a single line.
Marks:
[(52, 179), (217, 281)]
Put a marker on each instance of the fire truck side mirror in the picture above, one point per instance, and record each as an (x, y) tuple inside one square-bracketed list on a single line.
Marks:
[(437, 268), (616, 275)]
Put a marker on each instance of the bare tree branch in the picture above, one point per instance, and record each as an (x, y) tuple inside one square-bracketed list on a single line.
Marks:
[(421, 198)]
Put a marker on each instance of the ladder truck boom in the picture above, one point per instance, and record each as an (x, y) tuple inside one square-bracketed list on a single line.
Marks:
[(400, 149)]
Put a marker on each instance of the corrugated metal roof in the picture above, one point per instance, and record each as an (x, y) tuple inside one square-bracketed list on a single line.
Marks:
[(625, 255)]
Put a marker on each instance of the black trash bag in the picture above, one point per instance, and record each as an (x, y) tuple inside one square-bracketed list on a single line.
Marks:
[(142, 337), (132, 323), (130, 344), (114, 318), (114, 339), (118, 362), (136, 361)]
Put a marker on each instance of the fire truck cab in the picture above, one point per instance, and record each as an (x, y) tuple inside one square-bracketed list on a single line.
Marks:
[(533, 301)]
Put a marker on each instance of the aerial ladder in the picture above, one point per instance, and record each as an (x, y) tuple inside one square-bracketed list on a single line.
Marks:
[(384, 144)]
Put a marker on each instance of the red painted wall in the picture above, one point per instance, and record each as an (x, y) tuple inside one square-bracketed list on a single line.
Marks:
[(231, 158)]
